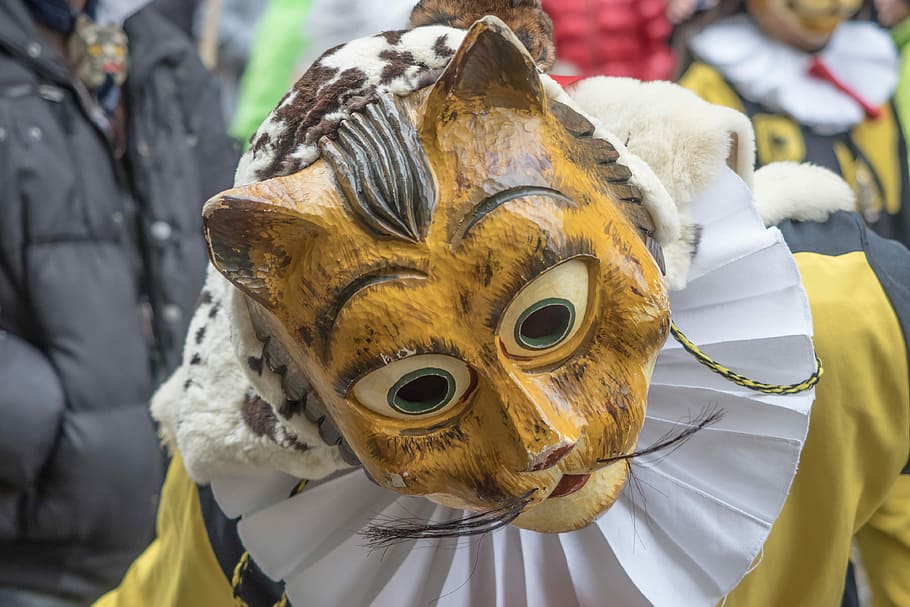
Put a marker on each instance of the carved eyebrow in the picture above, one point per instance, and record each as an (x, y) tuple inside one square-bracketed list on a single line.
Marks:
[(486, 206), (366, 364), (378, 276)]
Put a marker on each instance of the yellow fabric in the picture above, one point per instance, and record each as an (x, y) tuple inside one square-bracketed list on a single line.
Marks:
[(847, 162), (778, 138), (707, 83), (878, 139), (885, 547), (859, 439), (179, 568)]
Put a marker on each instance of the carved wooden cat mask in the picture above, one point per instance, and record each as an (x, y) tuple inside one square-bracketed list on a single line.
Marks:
[(466, 278)]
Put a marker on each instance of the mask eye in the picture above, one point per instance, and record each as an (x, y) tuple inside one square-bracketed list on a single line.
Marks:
[(547, 312), (415, 386), (545, 324)]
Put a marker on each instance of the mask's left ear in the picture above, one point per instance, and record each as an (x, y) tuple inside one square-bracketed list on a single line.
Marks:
[(254, 232), (491, 68)]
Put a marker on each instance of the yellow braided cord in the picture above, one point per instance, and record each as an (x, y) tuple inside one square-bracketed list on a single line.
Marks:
[(741, 380), (244, 563), (239, 570)]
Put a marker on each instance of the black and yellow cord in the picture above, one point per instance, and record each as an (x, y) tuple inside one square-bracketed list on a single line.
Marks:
[(237, 579), (742, 380), (243, 564)]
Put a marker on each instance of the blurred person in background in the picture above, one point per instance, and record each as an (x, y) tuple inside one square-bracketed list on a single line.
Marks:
[(293, 33), (179, 12), (111, 138), (224, 30), (818, 87)]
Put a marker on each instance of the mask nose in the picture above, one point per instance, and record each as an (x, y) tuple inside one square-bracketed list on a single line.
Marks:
[(545, 431), (549, 457)]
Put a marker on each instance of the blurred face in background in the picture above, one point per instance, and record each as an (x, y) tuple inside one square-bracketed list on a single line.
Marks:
[(804, 24)]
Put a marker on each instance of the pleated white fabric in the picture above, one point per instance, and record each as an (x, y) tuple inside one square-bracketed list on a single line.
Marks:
[(685, 530)]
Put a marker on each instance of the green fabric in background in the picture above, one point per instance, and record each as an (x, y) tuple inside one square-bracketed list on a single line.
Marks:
[(277, 47)]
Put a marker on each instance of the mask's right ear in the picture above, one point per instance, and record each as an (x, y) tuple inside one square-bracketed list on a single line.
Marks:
[(254, 233)]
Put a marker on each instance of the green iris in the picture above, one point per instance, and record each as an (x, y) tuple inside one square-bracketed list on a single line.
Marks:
[(545, 324), (422, 391)]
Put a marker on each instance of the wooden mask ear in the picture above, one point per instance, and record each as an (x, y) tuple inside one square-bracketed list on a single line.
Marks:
[(253, 237), (492, 68)]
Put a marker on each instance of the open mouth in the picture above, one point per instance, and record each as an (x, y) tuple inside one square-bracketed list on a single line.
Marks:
[(568, 484)]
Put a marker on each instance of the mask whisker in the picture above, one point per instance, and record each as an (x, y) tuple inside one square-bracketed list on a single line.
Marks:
[(675, 438), (393, 531)]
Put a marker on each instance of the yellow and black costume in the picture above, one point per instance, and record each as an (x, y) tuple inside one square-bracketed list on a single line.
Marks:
[(804, 118)]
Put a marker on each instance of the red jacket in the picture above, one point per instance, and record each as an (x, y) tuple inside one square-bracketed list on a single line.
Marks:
[(612, 37)]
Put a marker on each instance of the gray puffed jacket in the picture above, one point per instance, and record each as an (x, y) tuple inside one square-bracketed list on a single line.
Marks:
[(101, 261)]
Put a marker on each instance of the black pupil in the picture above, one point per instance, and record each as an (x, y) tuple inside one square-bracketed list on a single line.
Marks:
[(547, 325), (423, 392)]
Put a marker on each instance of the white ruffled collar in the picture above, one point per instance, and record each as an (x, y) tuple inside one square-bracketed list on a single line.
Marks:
[(774, 74), (685, 534)]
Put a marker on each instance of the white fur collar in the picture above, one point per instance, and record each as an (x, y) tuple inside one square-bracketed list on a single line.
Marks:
[(801, 192), (206, 408), (775, 74)]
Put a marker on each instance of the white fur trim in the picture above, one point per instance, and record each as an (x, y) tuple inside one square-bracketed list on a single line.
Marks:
[(366, 56), (685, 142), (200, 408), (803, 192), (684, 139)]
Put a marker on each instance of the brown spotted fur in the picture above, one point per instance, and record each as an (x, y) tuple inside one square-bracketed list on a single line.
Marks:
[(524, 17)]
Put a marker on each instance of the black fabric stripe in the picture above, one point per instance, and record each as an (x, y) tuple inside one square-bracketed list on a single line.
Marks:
[(257, 590), (890, 261), (851, 595), (837, 236), (845, 233)]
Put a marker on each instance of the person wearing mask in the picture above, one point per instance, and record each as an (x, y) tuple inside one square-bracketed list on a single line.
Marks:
[(111, 138), (367, 339), (818, 85)]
